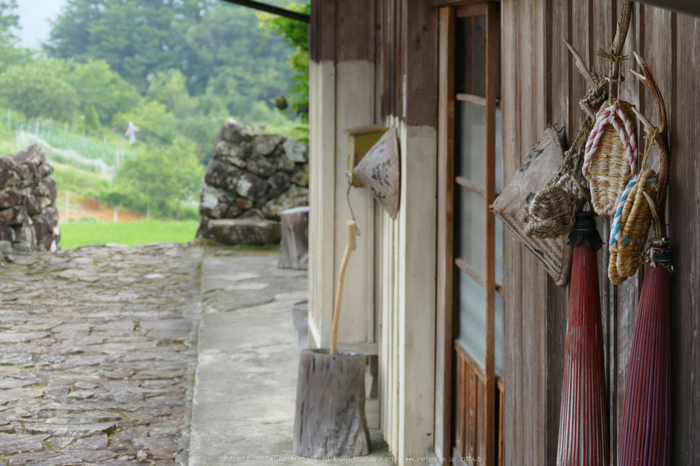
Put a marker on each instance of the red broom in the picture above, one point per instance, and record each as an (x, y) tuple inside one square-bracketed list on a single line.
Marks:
[(583, 424), (645, 437)]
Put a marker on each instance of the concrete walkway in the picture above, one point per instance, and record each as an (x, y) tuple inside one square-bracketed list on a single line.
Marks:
[(244, 397)]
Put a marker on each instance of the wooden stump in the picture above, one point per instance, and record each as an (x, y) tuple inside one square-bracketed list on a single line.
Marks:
[(300, 323), (294, 250), (330, 413)]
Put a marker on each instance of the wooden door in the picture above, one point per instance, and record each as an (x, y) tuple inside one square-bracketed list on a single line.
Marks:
[(470, 151)]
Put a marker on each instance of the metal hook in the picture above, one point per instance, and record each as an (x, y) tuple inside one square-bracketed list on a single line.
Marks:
[(352, 212)]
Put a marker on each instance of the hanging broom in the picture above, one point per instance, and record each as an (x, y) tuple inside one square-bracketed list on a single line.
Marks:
[(645, 436), (583, 424)]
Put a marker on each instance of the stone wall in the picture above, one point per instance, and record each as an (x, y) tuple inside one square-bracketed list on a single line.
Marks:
[(251, 179), (28, 216)]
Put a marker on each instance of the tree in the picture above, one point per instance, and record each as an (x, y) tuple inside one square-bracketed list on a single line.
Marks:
[(295, 34), (162, 176), (10, 51), (156, 123), (92, 119), (9, 19), (136, 37), (36, 90), (100, 87), (170, 88), (226, 45)]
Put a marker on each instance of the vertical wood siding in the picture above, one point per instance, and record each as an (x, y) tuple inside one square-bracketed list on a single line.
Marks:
[(540, 86)]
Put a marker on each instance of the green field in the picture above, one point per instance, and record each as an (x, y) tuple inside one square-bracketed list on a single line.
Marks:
[(84, 233)]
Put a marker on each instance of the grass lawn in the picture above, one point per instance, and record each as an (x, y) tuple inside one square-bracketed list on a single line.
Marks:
[(83, 233)]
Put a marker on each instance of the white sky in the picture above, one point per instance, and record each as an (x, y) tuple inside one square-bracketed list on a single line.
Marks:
[(34, 16)]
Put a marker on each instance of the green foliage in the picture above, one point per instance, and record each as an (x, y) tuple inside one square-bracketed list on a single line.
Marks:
[(296, 34), (100, 87), (136, 37), (75, 234), (170, 88), (9, 19), (10, 51), (92, 119), (163, 176), (157, 124), (234, 62), (78, 181), (37, 90)]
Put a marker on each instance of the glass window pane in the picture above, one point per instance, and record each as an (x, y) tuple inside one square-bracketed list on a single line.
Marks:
[(470, 60), (499, 252), (499, 150), (470, 229), (499, 335), (471, 321), (470, 143), (471, 317)]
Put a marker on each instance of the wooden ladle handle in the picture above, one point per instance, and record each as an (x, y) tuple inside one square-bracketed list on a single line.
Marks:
[(349, 248)]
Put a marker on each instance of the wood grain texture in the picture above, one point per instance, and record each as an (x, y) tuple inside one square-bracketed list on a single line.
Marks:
[(515, 423), (684, 212), (294, 248), (354, 31), (445, 237), (492, 70), (330, 410), (421, 64)]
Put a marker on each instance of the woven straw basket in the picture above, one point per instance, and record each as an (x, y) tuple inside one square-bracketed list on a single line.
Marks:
[(611, 155), (511, 206), (631, 226)]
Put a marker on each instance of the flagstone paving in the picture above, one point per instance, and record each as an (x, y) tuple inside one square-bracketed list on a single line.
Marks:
[(97, 354)]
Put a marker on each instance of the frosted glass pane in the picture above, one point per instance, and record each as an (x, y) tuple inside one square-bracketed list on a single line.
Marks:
[(470, 229), (499, 150), (499, 252), (472, 317), (471, 321), (470, 143), (499, 335)]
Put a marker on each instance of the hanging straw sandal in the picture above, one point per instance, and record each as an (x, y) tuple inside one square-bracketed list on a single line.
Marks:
[(611, 153), (643, 200)]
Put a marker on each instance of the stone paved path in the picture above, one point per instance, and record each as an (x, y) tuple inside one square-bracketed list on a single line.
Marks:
[(97, 354)]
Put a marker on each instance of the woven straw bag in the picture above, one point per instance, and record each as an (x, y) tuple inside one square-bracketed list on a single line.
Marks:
[(611, 155), (511, 206)]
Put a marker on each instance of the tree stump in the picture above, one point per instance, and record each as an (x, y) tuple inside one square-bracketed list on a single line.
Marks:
[(330, 412), (294, 250)]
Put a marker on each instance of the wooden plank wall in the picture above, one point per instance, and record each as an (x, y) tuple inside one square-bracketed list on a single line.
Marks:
[(540, 91), (342, 75), (522, 23), (407, 281)]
